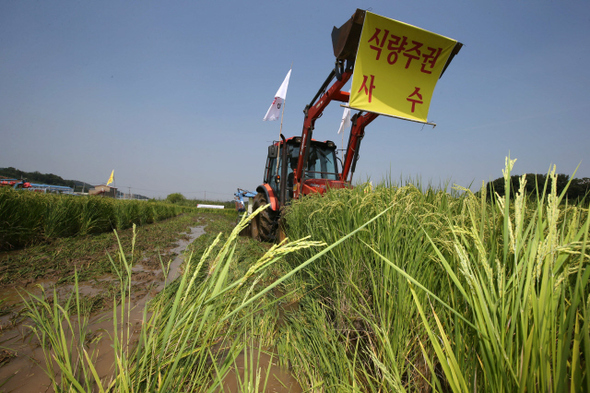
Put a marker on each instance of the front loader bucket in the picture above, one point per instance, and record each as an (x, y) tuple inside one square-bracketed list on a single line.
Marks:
[(345, 39)]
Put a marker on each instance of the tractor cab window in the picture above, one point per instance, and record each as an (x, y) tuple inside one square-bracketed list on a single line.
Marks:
[(321, 163), (271, 174)]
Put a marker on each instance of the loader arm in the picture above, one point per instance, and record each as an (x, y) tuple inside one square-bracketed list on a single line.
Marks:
[(357, 132), (315, 110), (312, 112)]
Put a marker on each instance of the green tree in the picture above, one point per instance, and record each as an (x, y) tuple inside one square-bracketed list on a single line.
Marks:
[(577, 190), (176, 198)]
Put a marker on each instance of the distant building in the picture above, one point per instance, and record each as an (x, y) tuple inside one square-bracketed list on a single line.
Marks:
[(21, 184), (103, 190), (49, 189)]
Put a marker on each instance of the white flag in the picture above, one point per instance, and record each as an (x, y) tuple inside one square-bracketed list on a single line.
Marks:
[(274, 112), (345, 123)]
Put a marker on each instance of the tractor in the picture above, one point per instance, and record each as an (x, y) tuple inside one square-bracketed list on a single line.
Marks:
[(301, 165)]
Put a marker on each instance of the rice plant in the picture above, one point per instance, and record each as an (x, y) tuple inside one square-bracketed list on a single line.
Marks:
[(397, 288), (27, 217), (61, 326), (448, 292), (188, 336), (526, 298), (20, 218), (61, 217)]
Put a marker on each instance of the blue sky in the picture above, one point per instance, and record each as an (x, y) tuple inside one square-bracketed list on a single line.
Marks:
[(171, 94)]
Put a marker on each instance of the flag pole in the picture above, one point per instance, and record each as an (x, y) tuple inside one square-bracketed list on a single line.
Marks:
[(281, 127)]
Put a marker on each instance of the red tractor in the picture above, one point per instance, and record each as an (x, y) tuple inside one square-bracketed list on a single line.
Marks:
[(301, 166), (17, 184)]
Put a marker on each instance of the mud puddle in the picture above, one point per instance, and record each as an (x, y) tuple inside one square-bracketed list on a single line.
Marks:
[(257, 370), (21, 355)]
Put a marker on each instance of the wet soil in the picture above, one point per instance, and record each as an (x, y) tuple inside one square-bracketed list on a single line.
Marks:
[(21, 355), (22, 359)]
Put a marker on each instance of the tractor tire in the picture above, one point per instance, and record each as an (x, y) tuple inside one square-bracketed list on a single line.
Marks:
[(263, 226)]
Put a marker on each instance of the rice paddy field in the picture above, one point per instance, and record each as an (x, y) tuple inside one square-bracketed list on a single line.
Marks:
[(28, 217), (392, 288)]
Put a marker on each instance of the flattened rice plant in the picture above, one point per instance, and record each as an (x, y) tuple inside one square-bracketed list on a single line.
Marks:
[(188, 340)]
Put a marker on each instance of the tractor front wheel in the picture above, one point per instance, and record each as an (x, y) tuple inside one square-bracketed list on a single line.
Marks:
[(263, 226)]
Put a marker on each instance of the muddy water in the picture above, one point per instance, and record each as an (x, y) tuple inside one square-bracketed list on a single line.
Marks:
[(267, 375), (20, 369)]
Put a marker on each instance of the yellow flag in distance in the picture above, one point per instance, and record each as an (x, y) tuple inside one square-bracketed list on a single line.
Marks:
[(112, 178)]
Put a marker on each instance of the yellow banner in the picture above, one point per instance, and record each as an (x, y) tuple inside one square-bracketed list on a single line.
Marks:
[(397, 67)]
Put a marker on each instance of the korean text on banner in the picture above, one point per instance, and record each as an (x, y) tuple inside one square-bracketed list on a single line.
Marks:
[(397, 67)]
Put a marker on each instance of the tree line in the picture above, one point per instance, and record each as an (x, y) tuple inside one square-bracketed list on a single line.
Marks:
[(44, 178), (578, 190)]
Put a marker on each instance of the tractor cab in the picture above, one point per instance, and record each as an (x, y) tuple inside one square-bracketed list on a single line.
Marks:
[(320, 173)]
